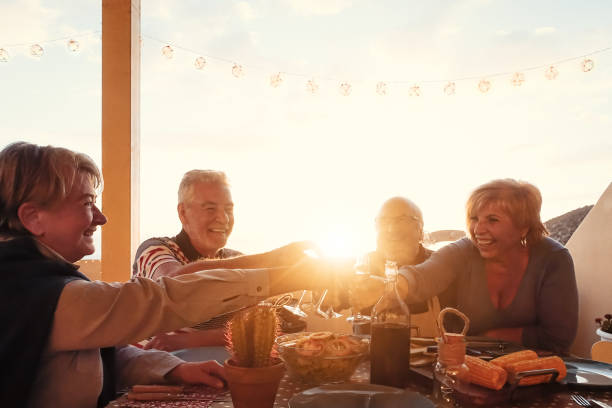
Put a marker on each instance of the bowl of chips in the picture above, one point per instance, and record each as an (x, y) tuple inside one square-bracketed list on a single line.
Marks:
[(321, 357)]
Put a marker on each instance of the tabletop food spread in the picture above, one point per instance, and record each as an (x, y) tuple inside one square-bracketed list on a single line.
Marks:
[(326, 369)]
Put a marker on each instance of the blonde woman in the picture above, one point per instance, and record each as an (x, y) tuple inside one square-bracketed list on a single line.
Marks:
[(512, 281), (63, 335)]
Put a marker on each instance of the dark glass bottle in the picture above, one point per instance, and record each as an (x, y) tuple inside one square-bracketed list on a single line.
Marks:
[(390, 344)]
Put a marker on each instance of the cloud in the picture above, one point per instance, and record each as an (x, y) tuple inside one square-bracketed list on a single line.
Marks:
[(544, 30), (318, 7), (502, 33), (26, 21), (245, 11)]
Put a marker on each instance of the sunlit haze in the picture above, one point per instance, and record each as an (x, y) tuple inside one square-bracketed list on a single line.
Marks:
[(306, 166)]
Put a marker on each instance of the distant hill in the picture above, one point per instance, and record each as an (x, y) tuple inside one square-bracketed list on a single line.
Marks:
[(562, 227)]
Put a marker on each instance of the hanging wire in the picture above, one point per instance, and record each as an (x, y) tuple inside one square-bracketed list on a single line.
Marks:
[(70, 37)]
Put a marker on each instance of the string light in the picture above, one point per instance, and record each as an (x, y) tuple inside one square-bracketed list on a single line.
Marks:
[(4, 55), (551, 72), (276, 80), (449, 88), (237, 71), (382, 88), (484, 85), (200, 63), (517, 79), (167, 52), (312, 86), (36, 51), (345, 89), (73, 45)]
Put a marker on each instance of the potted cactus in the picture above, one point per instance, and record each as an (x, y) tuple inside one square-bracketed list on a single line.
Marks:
[(253, 371)]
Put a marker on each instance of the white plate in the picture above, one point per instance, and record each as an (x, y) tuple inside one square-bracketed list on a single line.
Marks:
[(587, 373), (358, 396)]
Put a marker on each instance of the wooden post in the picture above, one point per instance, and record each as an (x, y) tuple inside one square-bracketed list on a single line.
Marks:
[(120, 135)]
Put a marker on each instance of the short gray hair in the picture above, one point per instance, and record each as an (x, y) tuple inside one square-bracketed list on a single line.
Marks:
[(193, 177)]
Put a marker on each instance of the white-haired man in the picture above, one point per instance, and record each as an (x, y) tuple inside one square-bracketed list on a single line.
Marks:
[(206, 211)]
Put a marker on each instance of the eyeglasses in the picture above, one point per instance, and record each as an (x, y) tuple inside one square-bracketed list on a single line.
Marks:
[(402, 220)]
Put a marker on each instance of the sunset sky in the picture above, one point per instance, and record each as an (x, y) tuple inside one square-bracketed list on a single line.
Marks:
[(318, 166)]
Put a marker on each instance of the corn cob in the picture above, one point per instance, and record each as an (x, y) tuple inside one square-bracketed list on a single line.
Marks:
[(538, 364), (486, 374), (515, 357)]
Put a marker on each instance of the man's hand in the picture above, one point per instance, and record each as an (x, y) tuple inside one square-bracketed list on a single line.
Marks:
[(289, 254), (206, 372)]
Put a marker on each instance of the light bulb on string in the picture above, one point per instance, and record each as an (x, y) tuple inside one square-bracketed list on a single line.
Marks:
[(484, 85), (345, 89), (415, 90), (587, 65), (517, 79), (4, 55), (449, 88), (312, 86), (36, 51), (551, 72), (276, 80), (381, 88), (167, 52), (237, 71), (200, 63), (73, 45)]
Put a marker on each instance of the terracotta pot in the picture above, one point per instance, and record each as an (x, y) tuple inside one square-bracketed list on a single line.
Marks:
[(253, 387)]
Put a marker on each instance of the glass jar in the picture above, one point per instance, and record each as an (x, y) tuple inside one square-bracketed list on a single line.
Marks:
[(451, 374)]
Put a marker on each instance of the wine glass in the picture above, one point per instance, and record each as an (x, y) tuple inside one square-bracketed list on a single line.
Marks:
[(361, 274), (297, 309), (330, 313)]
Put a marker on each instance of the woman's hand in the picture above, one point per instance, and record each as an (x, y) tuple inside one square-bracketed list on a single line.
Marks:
[(207, 372), (366, 293)]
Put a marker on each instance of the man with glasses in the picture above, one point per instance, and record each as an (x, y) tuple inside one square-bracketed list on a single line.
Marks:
[(399, 238)]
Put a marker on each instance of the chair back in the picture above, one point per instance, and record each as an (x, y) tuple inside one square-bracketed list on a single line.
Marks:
[(602, 351)]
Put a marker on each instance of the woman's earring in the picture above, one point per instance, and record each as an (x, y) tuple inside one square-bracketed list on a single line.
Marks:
[(524, 241)]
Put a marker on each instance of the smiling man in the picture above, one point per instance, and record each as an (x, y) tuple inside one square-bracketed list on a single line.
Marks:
[(206, 211), (399, 238)]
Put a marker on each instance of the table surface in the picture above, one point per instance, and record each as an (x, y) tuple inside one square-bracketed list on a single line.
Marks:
[(559, 398), (289, 387)]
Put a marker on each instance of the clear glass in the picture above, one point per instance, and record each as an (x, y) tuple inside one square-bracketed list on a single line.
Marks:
[(360, 322), (297, 309), (329, 312), (447, 379)]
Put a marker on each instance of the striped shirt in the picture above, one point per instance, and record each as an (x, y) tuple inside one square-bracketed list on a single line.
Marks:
[(154, 252)]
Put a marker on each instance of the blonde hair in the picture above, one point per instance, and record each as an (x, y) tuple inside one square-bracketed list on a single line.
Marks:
[(43, 175), (193, 177), (520, 199)]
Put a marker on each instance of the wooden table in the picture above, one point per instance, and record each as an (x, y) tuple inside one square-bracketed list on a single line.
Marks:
[(529, 397)]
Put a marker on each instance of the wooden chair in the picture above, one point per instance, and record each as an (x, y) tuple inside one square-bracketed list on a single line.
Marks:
[(602, 351)]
